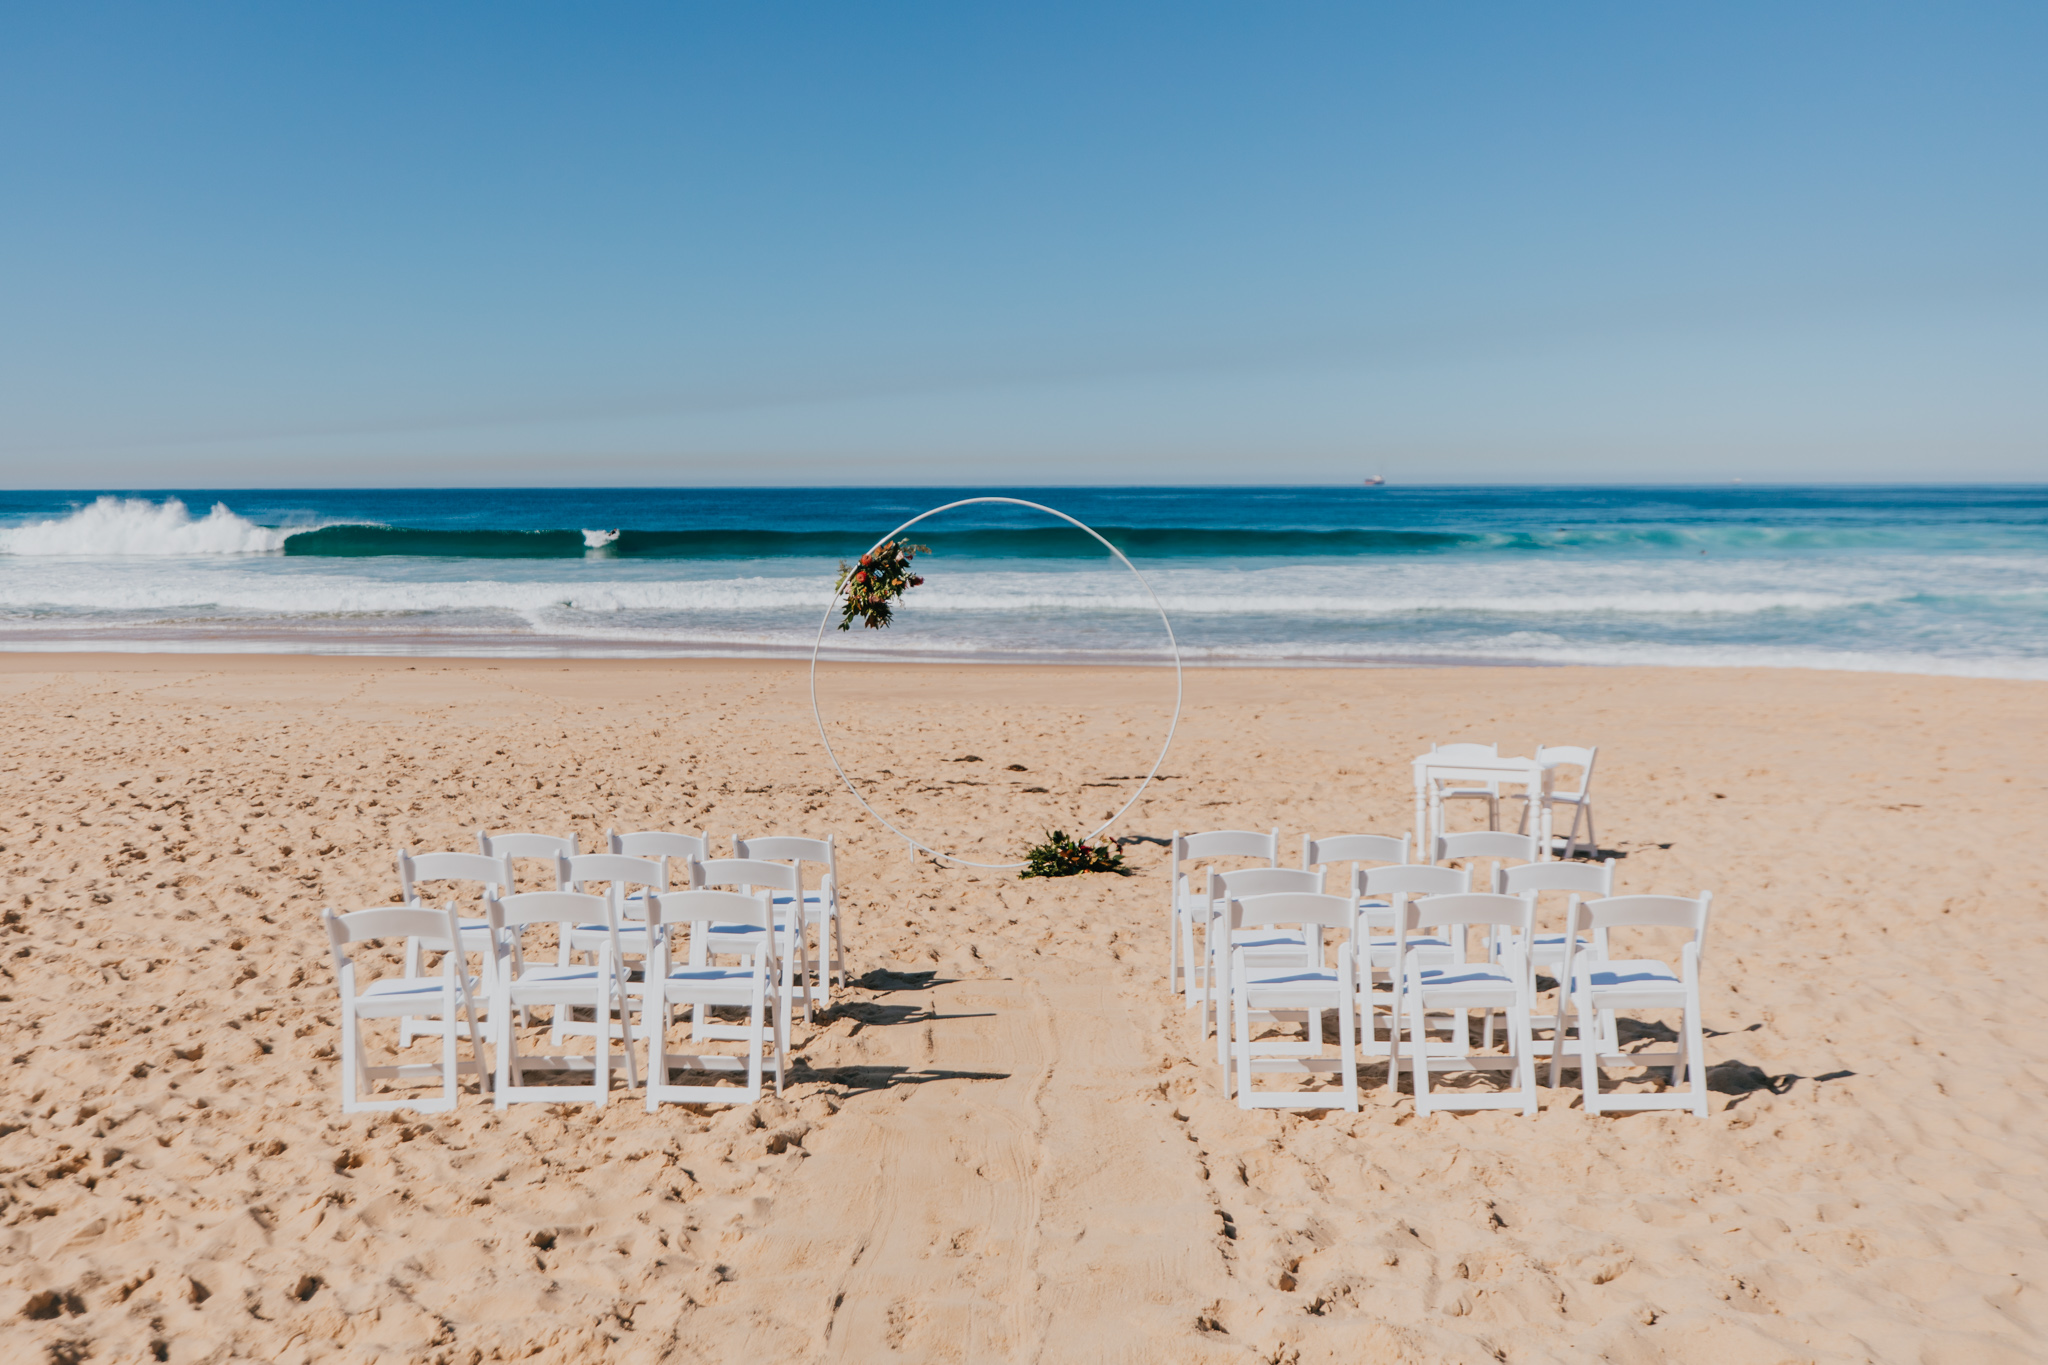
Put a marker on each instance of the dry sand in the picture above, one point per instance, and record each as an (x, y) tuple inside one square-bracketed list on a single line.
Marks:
[(1005, 1145)]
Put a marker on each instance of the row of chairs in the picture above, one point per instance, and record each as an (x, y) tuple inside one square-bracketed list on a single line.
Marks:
[(729, 934), (1252, 951)]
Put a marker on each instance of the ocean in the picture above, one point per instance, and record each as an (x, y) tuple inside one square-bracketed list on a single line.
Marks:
[(1950, 580)]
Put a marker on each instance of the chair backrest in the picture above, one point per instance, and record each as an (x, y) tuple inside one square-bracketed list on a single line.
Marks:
[(1227, 843), (1485, 843), (658, 843), (703, 906), (1292, 907), (616, 868), (414, 868), (1353, 848), (1455, 752), (1647, 912), (544, 846), (1413, 879), (785, 848), (397, 921), (1474, 907), (1570, 755), (547, 907), (1263, 881), (744, 872), (1583, 879)]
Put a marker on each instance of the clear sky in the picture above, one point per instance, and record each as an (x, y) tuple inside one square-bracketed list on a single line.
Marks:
[(344, 244)]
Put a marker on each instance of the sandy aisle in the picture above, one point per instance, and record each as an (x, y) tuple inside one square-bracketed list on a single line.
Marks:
[(1004, 1145)]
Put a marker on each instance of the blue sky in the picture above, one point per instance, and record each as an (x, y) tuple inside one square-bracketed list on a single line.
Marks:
[(326, 245)]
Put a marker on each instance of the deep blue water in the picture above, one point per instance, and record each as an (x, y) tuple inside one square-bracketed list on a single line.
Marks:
[(1921, 579)]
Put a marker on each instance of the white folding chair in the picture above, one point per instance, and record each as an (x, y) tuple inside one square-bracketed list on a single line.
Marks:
[(1188, 905), (821, 907), (517, 848), (1265, 946), (1382, 942), (633, 878), (520, 985), (1601, 986), (1551, 757), (761, 985), (1489, 793), (491, 876), (1293, 993), (1498, 985), (1547, 950), (448, 999), (1485, 854), (717, 938)]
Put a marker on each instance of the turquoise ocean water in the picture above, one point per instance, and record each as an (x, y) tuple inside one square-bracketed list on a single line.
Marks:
[(1919, 580)]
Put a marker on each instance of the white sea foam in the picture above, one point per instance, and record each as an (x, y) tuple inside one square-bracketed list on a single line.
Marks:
[(133, 526)]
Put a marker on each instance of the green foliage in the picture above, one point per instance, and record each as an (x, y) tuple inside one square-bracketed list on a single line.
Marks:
[(882, 576), (1060, 856)]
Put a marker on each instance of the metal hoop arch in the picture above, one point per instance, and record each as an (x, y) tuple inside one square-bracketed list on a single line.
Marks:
[(1173, 643)]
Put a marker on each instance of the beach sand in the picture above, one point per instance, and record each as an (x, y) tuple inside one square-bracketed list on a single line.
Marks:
[(1006, 1144)]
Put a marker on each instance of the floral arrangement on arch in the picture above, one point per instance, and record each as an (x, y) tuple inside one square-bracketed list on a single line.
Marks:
[(882, 576)]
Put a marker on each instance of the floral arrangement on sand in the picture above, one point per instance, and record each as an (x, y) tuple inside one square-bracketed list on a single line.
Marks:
[(1060, 856), (882, 576)]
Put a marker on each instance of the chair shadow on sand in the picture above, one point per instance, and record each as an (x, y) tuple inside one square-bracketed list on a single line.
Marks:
[(880, 1014)]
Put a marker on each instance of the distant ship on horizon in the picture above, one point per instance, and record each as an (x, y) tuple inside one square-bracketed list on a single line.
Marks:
[(1375, 481)]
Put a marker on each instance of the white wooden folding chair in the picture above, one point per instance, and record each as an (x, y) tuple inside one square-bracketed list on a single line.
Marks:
[(1264, 945), (449, 999), (1601, 986), (633, 878), (1498, 985), (1547, 951), (1297, 992), (520, 985), (1485, 854), (490, 877), (821, 907), (543, 848), (1188, 906), (715, 939), (1382, 942), (760, 984), (1580, 800)]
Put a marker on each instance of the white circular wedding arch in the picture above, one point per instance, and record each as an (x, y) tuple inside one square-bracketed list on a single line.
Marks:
[(1172, 643)]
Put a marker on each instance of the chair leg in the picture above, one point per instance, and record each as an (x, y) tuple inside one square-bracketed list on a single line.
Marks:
[(1242, 1015), (1589, 1057), (507, 1045), (1347, 1043), (350, 1060), (1419, 1026), (449, 1064), (407, 1026), (1696, 1047), (1523, 1042), (1173, 985)]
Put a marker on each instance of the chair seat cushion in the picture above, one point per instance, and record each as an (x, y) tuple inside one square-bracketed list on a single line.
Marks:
[(1272, 986), (410, 988), (1623, 983), (1478, 983)]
